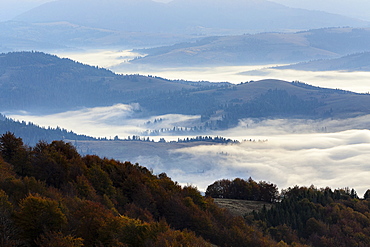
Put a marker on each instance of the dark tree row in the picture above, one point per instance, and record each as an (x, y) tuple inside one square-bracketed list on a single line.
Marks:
[(318, 217), (243, 189)]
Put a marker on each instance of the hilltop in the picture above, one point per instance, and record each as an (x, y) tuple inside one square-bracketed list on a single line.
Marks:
[(42, 83), (112, 24), (261, 48)]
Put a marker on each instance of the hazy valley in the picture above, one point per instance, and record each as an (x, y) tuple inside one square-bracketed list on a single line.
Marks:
[(157, 101)]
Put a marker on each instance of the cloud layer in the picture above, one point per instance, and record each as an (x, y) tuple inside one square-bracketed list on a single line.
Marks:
[(323, 159), (287, 152)]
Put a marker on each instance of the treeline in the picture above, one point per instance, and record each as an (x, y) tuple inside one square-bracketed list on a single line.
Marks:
[(50, 196), (217, 139), (318, 217), (243, 190), (274, 103), (32, 133)]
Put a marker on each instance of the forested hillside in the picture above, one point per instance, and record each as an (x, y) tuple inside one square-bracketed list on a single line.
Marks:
[(52, 196), (318, 217), (42, 83), (31, 133), (311, 216)]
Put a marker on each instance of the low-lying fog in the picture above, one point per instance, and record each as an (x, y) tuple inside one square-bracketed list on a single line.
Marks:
[(331, 153), (117, 62)]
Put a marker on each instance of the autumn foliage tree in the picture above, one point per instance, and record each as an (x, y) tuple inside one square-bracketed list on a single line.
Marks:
[(56, 197), (243, 189)]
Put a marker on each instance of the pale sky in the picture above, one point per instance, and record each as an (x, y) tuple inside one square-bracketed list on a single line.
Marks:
[(355, 8)]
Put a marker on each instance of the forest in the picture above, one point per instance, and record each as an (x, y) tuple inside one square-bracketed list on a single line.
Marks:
[(50, 195)]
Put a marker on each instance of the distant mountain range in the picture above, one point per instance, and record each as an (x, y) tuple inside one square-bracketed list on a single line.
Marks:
[(42, 83), (181, 16), (66, 24), (262, 48), (353, 62)]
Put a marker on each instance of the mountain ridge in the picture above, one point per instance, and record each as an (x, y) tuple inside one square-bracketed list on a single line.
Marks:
[(42, 83), (262, 48), (350, 63)]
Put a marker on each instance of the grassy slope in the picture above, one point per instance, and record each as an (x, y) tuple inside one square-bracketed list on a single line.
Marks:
[(241, 207)]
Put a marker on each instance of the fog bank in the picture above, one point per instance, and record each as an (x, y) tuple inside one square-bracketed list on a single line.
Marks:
[(288, 152)]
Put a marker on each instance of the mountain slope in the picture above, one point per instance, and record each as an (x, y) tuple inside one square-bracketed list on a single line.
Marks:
[(263, 48), (181, 16), (42, 83), (353, 62), (37, 81), (31, 133)]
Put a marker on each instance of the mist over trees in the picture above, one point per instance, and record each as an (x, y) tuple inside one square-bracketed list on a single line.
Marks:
[(52, 196)]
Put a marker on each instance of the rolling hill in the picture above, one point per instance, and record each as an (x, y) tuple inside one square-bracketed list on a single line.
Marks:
[(262, 48), (353, 62), (32, 133), (68, 25), (42, 83), (181, 16)]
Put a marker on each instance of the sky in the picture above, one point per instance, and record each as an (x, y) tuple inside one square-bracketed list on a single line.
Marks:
[(11, 8), (353, 8)]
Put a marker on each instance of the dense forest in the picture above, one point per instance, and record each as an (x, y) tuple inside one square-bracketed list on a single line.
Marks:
[(318, 217), (51, 196), (310, 216)]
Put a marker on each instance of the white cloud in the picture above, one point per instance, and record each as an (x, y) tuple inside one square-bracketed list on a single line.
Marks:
[(332, 152), (334, 159), (119, 119)]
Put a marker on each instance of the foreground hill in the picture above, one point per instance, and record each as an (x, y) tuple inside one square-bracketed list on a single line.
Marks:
[(51, 196), (262, 48)]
